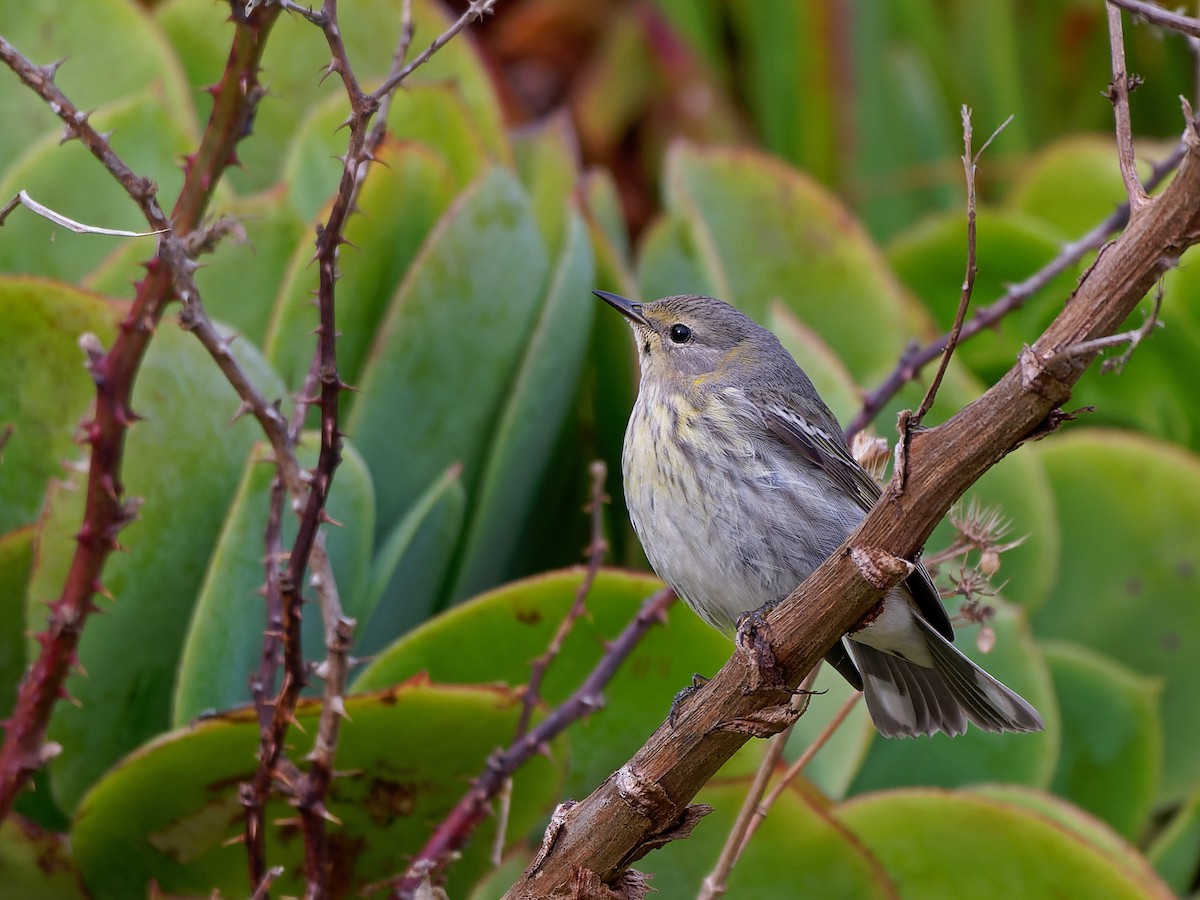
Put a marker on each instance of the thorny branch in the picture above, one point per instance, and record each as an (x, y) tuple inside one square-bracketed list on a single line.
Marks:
[(309, 790), (169, 276)]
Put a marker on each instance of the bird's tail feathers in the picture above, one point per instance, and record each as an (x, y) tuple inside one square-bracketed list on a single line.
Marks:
[(906, 699)]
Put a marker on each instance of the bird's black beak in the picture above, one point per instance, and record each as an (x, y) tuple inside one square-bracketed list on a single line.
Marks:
[(626, 307)]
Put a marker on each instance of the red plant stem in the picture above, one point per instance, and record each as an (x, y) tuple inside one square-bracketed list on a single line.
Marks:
[(106, 511)]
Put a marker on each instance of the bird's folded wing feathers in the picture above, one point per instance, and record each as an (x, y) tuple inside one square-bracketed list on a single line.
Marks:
[(830, 454)]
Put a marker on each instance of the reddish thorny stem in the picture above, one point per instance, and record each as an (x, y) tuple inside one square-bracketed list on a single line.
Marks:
[(106, 509)]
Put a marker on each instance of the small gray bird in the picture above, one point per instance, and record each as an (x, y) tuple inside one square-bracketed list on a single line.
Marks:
[(739, 485)]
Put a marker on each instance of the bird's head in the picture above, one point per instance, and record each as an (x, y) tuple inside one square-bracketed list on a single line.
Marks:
[(690, 338)]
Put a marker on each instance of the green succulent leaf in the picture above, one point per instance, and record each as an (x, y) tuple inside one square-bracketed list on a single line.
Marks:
[(170, 811), (523, 438), (496, 636), (1174, 850), (445, 355), (1111, 757), (110, 50), (1127, 577), (41, 323), (183, 462), (224, 643), (411, 565), (960, 844), (16, 562), (37, 864)]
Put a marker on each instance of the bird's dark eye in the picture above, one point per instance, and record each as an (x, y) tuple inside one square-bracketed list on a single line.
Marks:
[(680, 333)]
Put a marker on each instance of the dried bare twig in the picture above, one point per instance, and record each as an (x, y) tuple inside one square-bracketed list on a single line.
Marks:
[(1156, 15), (473, 807), (1015, 296), (23, 199), (1118, 92), (714, 884)]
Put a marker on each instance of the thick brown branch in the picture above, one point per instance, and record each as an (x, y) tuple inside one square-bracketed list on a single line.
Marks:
[(605, 831)]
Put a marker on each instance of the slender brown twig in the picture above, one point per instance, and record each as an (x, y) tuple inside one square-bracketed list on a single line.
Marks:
[(457, 827), (914, 359), (970, 161), (806, 757), (1156, 15), (714, 884), (1118, 92)]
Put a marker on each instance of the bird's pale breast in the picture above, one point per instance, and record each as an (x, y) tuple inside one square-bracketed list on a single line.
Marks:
[(727, 514)]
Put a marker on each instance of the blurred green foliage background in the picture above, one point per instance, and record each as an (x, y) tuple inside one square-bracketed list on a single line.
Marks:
[(800, 159)]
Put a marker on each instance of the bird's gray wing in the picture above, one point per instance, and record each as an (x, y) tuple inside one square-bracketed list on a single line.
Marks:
[(829, 453), (824, 450)]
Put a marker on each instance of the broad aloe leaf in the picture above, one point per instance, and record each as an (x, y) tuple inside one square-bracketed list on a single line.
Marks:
[(111, 50), (434, 116), (40, 326), (183, 461), (961, 844), (1126, 582), (977, 755), (66, 178), (37, 864), (170, 811), (547, 158), (1076, 821), (444, 357), (224, 643), (800, 851), (403, 198), (495, 636), (762, 233), (538, 402), (1174, 849), (293, 64), (408, 571), (1111, 757)]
